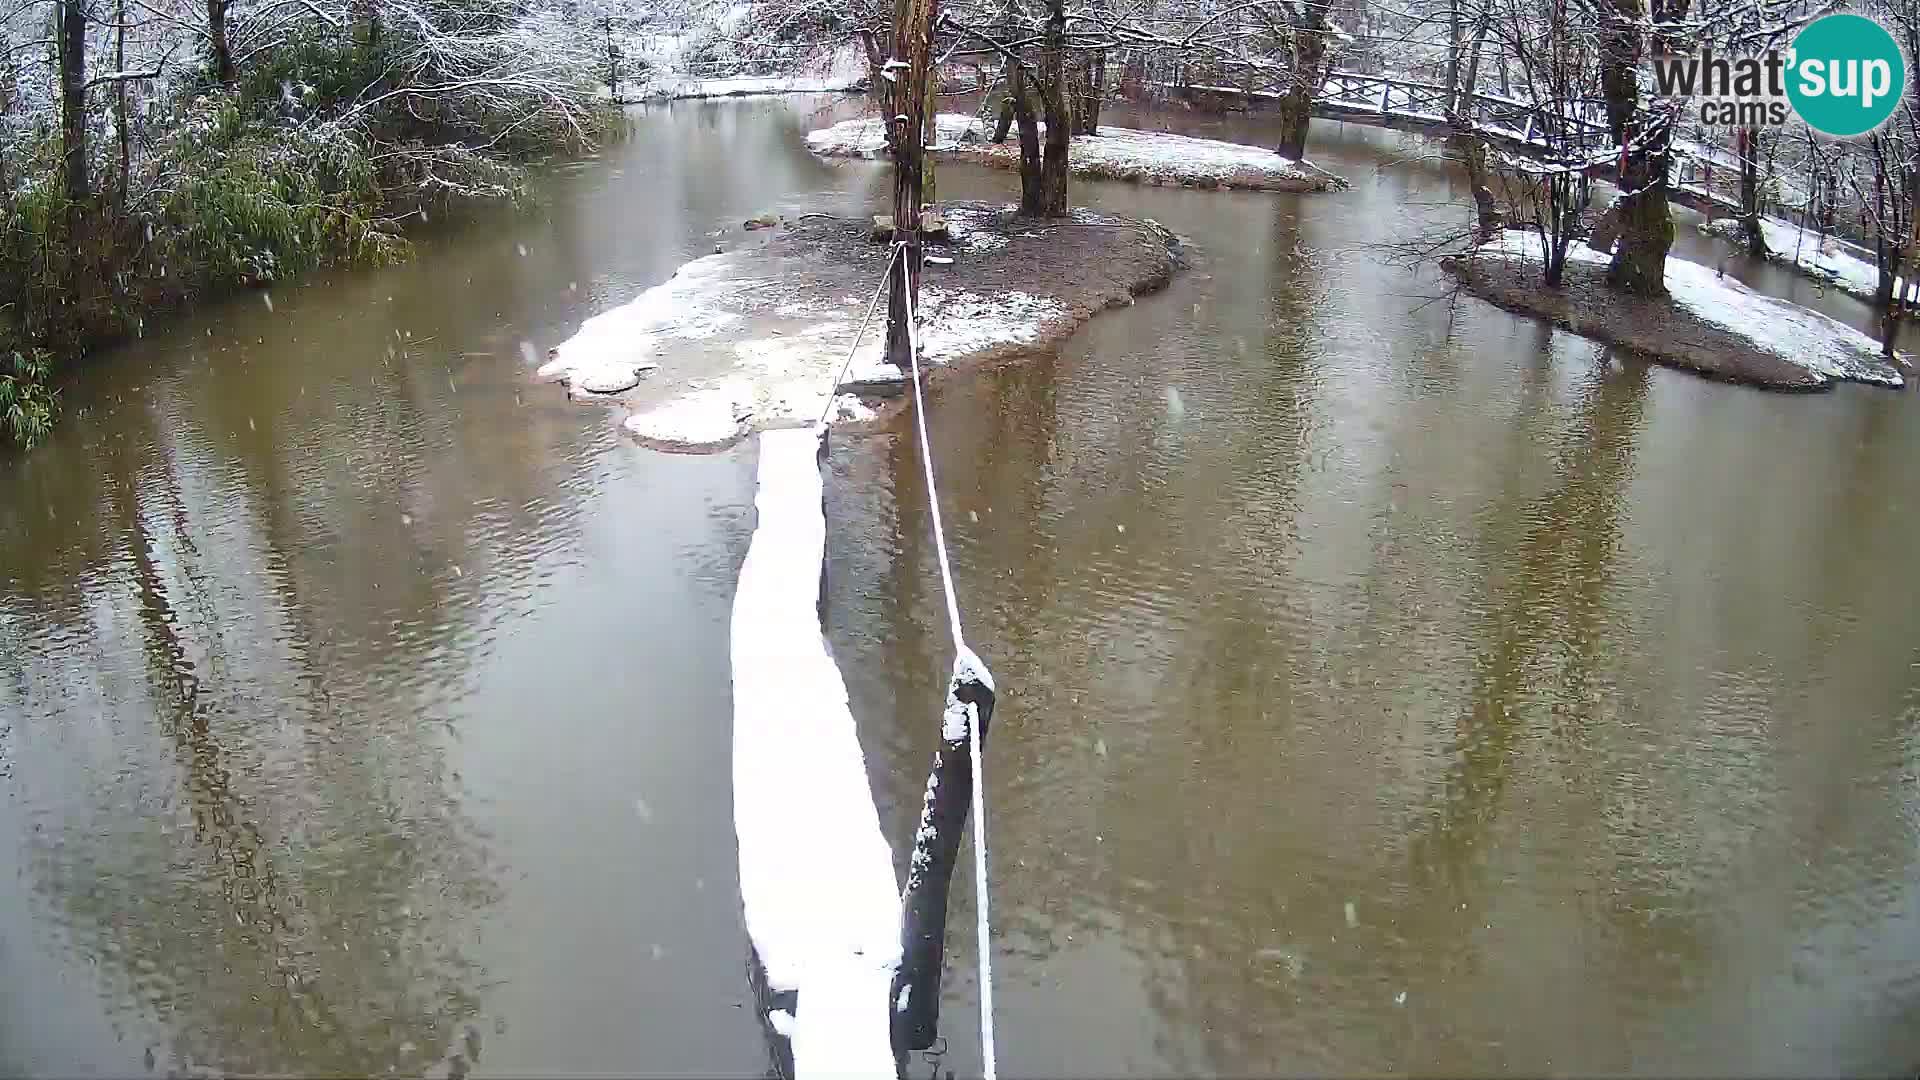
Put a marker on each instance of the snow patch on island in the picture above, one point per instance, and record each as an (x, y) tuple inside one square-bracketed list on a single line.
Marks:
[(957, 322), (778, 377), (1825, 347), (1118, 153), (611, 349), (816, 875), (1823, 257)]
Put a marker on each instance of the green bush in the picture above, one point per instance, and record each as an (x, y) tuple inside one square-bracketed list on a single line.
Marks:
[(309, 73), (255, 202), (27, 397)]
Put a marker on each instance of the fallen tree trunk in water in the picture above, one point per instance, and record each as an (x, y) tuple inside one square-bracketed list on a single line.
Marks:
[(816, 875), (936, 845)]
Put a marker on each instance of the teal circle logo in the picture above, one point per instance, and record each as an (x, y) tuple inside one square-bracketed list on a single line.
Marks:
[(1845, 75)]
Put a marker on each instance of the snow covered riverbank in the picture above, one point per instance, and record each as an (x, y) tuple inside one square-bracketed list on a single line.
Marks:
[(1117, 153), (1825, 258), (1711, 324), (753, 339)]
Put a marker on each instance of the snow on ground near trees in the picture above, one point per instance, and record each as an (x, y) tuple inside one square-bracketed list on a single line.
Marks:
[(816, 875), (736, 353), (1824, 346), (1117, 153), (1826, 258), (668, 71)]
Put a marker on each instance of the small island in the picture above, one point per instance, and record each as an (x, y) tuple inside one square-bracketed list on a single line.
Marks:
[(756, 337), (1116, 153), (1708, 323)]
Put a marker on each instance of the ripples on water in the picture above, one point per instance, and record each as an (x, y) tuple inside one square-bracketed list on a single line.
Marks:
[(1392, 684), (1388, 684)]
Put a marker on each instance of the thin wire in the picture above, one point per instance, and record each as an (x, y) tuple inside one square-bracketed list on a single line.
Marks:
[(833, 392), (981, 916)]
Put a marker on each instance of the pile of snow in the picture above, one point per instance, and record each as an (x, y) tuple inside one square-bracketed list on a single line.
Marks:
[(1821, 345), (1821, 257), (709, 412), (956, 322), (613, 349), (816, 875), (1116, 153)]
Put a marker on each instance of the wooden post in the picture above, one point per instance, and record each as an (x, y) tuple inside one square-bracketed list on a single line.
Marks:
[(907, 102), (943, 818)]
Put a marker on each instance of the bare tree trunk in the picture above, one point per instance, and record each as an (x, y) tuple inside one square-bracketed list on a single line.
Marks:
[(912, 47), (1473, 154), (1089, 81), (219, 53), (1032, 201), (120, 108), (1454, 49), (1096, 93), (1003, 122), (1057, 113), (1894, 189), (1296, 104), (930, 117), (1646, 227), (9, 92), (1747, 140), (1133, 74), (1470, 80), (73, 105)]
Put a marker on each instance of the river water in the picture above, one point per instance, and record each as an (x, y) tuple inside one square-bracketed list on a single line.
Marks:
[(1389, 683)]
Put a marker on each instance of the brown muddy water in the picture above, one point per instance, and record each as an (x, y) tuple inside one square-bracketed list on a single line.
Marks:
[(1388, 684)]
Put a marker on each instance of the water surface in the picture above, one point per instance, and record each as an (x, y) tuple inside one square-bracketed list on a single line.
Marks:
[(1389, 683)]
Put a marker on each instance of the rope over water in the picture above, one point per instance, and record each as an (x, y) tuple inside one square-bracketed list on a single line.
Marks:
[(979, 807), (982, 920)]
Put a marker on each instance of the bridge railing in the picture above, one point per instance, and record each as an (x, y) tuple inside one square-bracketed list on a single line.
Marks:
[(1580, 126)]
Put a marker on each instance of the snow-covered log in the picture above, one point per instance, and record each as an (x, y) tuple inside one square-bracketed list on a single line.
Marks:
[(936, 848), (816, 875)]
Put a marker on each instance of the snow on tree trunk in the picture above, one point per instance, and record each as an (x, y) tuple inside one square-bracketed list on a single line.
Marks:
[(1089, 81), (1747, 140), (1645, 228), (1646, 225), (1309, 46)]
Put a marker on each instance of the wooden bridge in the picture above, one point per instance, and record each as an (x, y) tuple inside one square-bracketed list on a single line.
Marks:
[(1511, 124)]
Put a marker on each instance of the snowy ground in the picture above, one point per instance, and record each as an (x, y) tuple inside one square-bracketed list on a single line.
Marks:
[(1154, 157), (687, 64), (843, 71), (1712, 323), (1826, 258), (755, 338)]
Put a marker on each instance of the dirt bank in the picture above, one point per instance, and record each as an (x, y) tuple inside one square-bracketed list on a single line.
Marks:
[(1117, 153), (754, 337), (1711, 324)]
